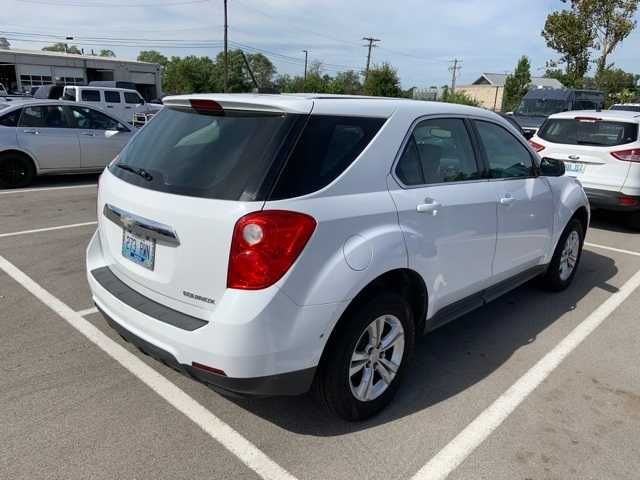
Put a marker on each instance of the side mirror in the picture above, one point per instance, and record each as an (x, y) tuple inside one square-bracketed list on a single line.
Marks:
[(528, 134), (550, 167)]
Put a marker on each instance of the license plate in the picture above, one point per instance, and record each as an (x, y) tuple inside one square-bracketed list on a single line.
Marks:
[(571, 167), (138, 249)]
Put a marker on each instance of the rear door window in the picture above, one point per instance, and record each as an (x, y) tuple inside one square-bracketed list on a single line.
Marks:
[(224, 157), (10, 119), (326, 148), (111, 96), (90, 95), (50, 116), (90, 119), (593, 132), (506, 156)]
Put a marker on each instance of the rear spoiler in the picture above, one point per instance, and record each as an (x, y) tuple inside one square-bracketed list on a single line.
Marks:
[(221, 103)]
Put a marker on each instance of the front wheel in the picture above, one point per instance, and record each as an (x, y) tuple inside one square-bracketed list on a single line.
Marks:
[(363, 366), (566, 258)]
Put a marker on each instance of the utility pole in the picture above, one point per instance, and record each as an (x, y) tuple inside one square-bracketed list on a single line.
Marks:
[(454, 69), (371, 44), (306, 58), (226, 50)]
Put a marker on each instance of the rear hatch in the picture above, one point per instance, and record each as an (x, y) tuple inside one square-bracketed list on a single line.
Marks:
[(175, 193), (588, 145)]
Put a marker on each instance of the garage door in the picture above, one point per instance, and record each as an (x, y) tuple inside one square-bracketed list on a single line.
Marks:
[(143, 77), (68, 75)]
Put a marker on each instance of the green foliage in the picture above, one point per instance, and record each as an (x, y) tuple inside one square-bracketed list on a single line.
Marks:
[(60, 47), (517, 84), (153, 56), (347, 83), (189, 75), (618, 86), (262, 68), (458, 97), (107, 53), (566, 33), (383, 81)]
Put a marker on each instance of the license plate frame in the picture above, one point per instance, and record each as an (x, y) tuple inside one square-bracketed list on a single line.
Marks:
[(575, 168), (138, 249)]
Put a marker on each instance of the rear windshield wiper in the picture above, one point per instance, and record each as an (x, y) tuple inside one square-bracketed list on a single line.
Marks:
[(138, 171)]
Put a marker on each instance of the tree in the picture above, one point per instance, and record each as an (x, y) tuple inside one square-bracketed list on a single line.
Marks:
[(107, 53), (459, 97), (62, 47), (190, 74), (347, 83), (153, 56), (612, 21), (517, 84), (568, 33), (239, 80), (383, 81), (618, 86), (262, 68), (4, 43)]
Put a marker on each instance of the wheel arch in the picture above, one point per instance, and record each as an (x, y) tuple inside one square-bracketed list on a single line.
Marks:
[(24, 153), (406, 282)]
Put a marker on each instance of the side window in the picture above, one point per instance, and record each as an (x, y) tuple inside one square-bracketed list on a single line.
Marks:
[(50, 116), (130, 97), (69, 94), (326, 148), (438, 151), (90, 95), (507, 157), (90, 119), (111, 96), (10, 119)]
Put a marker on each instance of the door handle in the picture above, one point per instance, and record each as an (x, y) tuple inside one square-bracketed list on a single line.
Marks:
[(88, 134), (128, 108), (507, 200), (32, 132), (109, 106), (429, 206)]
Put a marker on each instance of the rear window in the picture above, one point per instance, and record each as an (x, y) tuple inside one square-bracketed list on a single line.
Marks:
[(589, 132), (328, 145), (225, 157), (628, 108), (9, 119)]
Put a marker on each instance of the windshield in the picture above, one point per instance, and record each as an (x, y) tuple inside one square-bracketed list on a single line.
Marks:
[(225, 157), (597, 133), (541, 107)]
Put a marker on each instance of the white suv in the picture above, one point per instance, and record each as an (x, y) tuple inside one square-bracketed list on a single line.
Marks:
[(602, 150), (266, 244)]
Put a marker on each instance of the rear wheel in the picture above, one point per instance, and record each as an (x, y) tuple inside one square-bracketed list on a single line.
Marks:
[(633, 220), (566, 257), (16, 171), (362, 368)]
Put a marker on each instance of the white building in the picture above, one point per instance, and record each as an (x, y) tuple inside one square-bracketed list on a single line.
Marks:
[(22, 69)]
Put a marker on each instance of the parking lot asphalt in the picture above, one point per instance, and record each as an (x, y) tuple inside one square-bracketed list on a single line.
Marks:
[(70, 410)]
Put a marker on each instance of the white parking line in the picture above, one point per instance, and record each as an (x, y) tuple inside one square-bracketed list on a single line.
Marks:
[(612, 249), (46, 189), (49, 229), (458, 449), (87, 311), (242, 448)]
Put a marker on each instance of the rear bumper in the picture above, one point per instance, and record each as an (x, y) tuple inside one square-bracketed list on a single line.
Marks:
[(290, 383), (263, 342), (610, 200)]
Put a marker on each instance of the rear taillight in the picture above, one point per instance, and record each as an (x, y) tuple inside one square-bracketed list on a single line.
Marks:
[(632, 155), (536, 146), (265, 245), (625, 201)]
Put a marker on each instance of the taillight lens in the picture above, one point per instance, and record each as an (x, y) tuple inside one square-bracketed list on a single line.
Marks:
[(536, 146), (265, 245), (632, 155)]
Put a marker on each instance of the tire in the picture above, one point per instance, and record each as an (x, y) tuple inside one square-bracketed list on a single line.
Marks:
[(557, 278), (335, 388), (16, 171), (633, 220)]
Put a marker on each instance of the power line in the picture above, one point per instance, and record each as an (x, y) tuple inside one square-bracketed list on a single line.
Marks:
[(110, 5), (372, 44)]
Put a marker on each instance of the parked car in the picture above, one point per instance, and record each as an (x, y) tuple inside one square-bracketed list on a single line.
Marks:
[(40, 137), (631, 107), (270, 244), (602, 150), (121, 102), (51, 92), (539, 103)]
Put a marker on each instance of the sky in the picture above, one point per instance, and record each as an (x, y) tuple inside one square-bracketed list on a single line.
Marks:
[(419, 38)]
